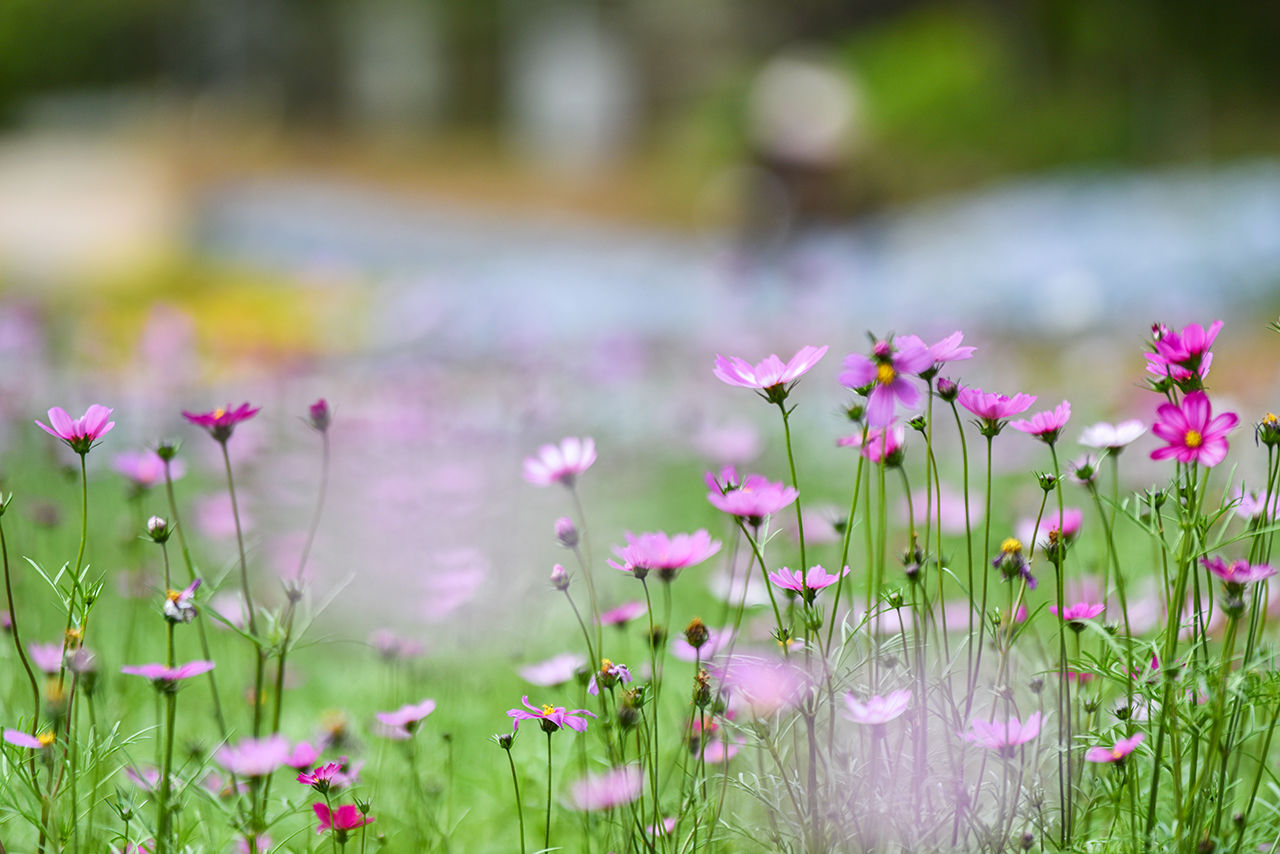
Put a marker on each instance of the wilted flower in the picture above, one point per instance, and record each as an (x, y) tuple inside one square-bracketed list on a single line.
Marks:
[(608, 675), (560, 463), (82, 433)]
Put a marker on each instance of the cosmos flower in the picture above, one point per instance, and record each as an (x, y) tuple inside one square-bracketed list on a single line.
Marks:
[(613, 788), (80, 434), (401, 723), (345, 818), (1075, 614), (666, 554), (877, 711), (165, 677), (772, 377), (18, 738), (556, 670), (1113, 438), (883, 444), (47, 657), (550, 718), (254, 757), (221, 422), (1045, 426), (1191, 432), (753, 499), (622, 614), (1239, 573), (560, 463), (608, 675), (1122, 748), (887, 373), (1003, 736), (807, 584), (145, 469), (180, 605), (992, 409)]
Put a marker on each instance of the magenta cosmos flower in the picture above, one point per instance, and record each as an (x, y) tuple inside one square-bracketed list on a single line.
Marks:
[(341, 820), (753, 499), (550, 718), (1239, 573), (1182, 355), (663, 553), (81, 433), (772, 378), (1122, 748), (613, 788), (401, 723), (1191, 432), (254, 757), (1074, 615), (622, 614), (560, 463), (327, 777), (1112, 437), (166, 677), (887, 373), (807, 584), (877, 711), (1004, 736), (1045, 426), (992, 409), (221, 422)]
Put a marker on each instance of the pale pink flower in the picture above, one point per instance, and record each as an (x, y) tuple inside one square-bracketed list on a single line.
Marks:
[(878, 710), (145, 468), (79, 434), (622, 614), (772, 377), (664, 553), (1112, 438), (1122, 748), (556, 670), (1045, 426), (1004, 736), (613, 788), (254, 757), (401, 723), (560, 463)]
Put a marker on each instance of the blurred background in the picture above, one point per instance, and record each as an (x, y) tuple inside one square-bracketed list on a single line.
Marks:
[(478, 226)]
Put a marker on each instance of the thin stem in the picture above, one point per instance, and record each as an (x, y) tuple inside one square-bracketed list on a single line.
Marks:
[(791, 461), (515, 782), (260, 662), (546, 842)]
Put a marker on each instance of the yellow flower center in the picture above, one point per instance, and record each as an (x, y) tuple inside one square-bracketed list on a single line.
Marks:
[(1011, 546), (75, 636), (1193, 439), (1271, 420), (172, 595), (45, 738), (219, 412), (1116, 754), (547, 710), (885, 373), (605, 665)]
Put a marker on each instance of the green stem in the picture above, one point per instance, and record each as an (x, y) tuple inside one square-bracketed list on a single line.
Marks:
[(515, 782), (546, 842), (791, 461)]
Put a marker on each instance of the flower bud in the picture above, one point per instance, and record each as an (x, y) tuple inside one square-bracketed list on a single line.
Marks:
[(701, 689), (559, 578), (918, 424), (566, 532), (1268, 430), (504, 739), (158, 529), (696, 633), (167, 450), (319, 416), (947, 390)]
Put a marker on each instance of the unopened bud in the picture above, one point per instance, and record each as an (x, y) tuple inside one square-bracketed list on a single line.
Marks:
[(947, 389), (158, 529), (566, 532), (696, 633), (559, 577), (319, 415)]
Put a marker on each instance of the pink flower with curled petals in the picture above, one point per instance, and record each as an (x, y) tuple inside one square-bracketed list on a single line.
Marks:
[(1192, 433), (887, 372), (877, 711), (1045, 426), (79, 434), (666, 554), (221, 422), (992, 409), (1113, 438), (1003, 736), (550, 718), (772, 378), (807, 584), (560, 463), (401, 723), (1122, 748), (613, 788)]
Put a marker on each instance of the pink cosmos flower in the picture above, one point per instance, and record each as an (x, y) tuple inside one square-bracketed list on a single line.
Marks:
[(18, 738), (613, 788), (1182, 355), (1253, 504), (165, 677), (664, 828), (762, 687), (807, 584), (883, 444), (622, 614), (948, 349), (1122, 748), (1045, 426), (221, 422), (1113, 438), (608, 675), (753, 499), (949, 505), (667, 554), (1003, 736), (261, 844), (1079, 611), (47, 657), (1192, 434), (82, 433), (887, 372), (556, 670), (550, 718), (1239, 573), (401, 723), (771, 377), (145, 469), (878, 710), (1072, 520), (560, 463), (254, 757), (717, 640), (344, 818), (993, 409), (303, 755), (323, 778)]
